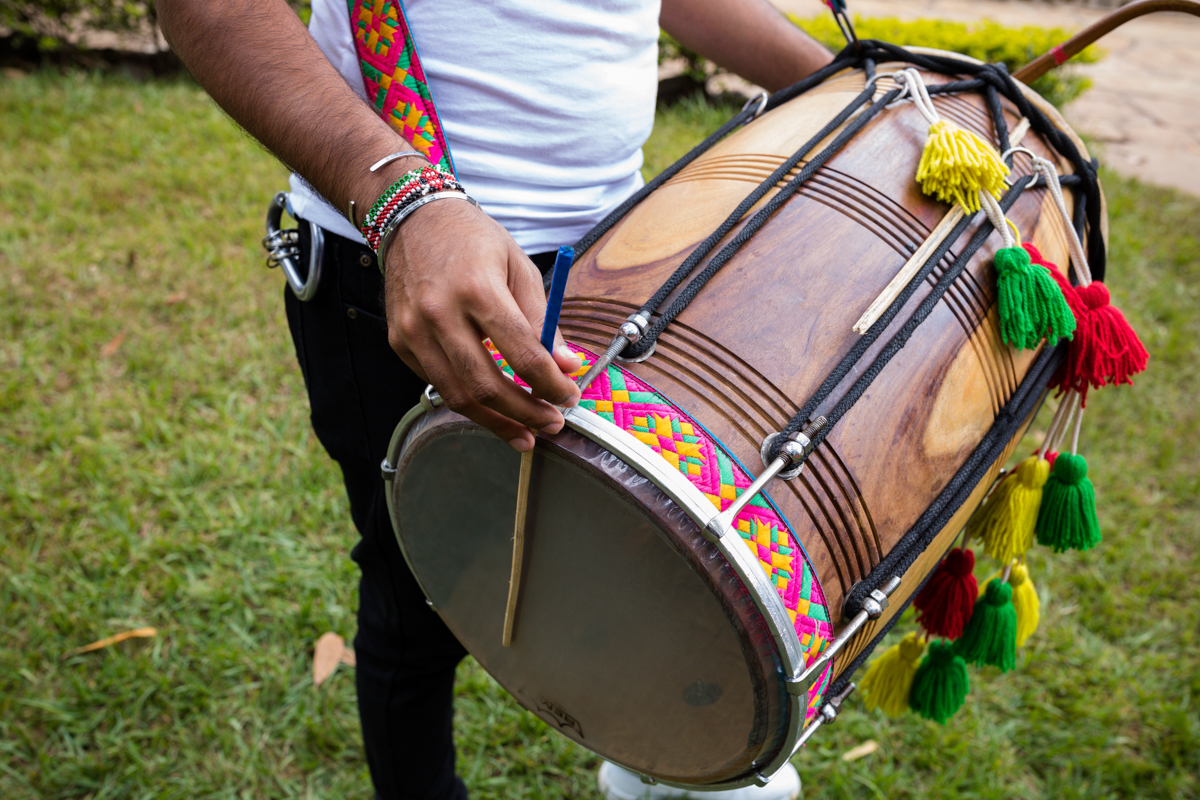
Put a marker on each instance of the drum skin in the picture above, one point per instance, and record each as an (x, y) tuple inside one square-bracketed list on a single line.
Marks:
[(764, 333), (634, 637)]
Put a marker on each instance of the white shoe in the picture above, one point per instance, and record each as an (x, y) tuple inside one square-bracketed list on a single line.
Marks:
[(621, 784)]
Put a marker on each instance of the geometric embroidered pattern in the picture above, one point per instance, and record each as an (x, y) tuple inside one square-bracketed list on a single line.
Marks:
[(392, 74), (634, 406)]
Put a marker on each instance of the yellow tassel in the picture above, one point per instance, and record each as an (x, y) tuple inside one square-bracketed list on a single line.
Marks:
[(1006, 520), (1025, 600), (888, 681), (956, 164)]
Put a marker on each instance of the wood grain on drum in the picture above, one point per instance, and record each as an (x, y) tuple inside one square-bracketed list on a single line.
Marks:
[(772, 324)]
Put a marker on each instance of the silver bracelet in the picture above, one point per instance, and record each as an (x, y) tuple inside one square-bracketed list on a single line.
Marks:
[(394, 224), (383, 162), (351, 208)]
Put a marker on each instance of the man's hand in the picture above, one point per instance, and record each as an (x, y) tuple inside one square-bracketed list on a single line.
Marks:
[(455, 277)]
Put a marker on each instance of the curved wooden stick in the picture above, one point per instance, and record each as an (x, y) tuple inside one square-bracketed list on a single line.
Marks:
[(1073, 46), (518, 557)]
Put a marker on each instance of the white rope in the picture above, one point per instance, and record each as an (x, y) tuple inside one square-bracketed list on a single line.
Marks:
[(1075, 438), (1072, 403), (914, 87), (995, 214), (1083, 275), (1055, 424)]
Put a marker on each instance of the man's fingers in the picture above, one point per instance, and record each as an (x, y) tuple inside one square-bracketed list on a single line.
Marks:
[(456, 396), (484, 383), (564, 356), (516, 333)]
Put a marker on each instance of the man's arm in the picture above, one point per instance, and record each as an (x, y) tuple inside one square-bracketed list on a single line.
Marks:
[(748, 37), (454, 275)]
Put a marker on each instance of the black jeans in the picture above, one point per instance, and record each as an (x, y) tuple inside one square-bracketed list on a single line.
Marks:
[(358, 389)]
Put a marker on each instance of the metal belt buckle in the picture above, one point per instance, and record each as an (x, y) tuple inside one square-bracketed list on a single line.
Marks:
[(283, 249)]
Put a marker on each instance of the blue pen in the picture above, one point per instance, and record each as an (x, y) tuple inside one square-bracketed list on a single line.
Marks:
[(558, 285)]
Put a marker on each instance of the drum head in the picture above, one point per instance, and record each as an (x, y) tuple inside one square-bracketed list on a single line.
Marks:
[(633, 636)]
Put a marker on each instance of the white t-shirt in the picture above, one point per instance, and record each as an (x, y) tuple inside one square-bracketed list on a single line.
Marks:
[(545, 105)]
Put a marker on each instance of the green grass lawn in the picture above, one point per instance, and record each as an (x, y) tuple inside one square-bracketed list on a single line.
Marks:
[(157, 468)]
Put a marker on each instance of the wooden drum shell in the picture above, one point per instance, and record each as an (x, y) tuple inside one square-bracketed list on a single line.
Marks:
[(774, 322)]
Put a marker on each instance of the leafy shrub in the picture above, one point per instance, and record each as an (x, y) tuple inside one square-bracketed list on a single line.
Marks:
[(985, 40), (54, 23), (51, 23)]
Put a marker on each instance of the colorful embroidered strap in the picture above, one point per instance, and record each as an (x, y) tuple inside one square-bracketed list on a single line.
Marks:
[(395, 83), (635, 407)]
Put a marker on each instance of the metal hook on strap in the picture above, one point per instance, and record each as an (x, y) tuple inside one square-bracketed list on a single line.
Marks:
[(283, 249)]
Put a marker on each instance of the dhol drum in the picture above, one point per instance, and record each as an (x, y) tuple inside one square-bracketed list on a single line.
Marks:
[(701, 649)]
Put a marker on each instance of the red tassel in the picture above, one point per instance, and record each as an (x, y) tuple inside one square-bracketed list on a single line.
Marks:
[(948, 599), (1105, 350), (1070, 292)]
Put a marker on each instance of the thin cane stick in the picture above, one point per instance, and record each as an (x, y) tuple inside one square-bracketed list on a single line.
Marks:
[(927, 248), (1075, 45), (518, 556), (558, 285)]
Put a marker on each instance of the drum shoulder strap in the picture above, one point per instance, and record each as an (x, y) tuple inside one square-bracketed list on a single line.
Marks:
[(395, 82)]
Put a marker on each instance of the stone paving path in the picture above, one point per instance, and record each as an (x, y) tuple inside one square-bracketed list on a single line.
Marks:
[(1144, 105)]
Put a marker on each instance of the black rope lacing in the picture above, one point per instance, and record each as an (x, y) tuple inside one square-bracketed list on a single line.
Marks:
[(956, 492), (997, 76), (901, 337), (756, 222), (987, 75), (993, 80)]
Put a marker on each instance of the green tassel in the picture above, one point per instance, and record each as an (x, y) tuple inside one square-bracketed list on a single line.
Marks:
[(941, 684), (991, 635), (1031, 305), (1067, 518)]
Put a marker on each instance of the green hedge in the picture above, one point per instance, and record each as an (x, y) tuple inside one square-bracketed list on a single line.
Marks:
[(46, 22), (985, 40)]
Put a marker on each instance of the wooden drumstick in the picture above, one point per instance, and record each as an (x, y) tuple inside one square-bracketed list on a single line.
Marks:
[(558, 285), (518, 555)]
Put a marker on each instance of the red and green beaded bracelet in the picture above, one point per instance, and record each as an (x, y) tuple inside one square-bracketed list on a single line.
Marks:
[(411, 186)]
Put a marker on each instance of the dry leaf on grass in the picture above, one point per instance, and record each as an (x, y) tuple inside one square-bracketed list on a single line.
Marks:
[(137, 633), (110, 348), (862, 751), (329, 651)]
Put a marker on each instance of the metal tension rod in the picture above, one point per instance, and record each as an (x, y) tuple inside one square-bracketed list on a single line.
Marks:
[(872, 608)]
